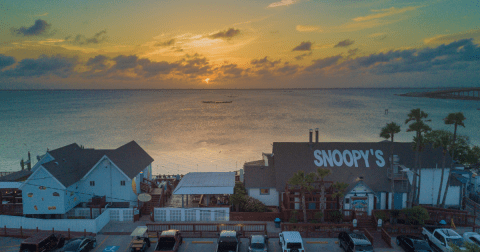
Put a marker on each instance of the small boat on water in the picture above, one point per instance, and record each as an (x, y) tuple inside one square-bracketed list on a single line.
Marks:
[(217, 101)]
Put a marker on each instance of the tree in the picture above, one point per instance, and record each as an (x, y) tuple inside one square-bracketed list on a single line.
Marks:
[(421, 145), (340, 188), (419, 118), (322, 173), (440, 138), (304, 183), (388, 132), (239, 196), (455, 119)]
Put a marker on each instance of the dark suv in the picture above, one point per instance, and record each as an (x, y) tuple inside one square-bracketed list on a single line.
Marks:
[(42, 243), (354, 242)]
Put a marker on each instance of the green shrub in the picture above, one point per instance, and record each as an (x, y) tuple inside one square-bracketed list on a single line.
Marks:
[(293, 217), (381, 215), (336, 216), (318, 216), (416, 215)]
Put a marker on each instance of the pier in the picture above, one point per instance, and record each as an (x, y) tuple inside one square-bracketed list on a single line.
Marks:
[(456, 93)]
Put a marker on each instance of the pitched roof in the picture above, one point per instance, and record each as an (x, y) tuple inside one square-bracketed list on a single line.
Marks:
[(17, 176), (292, 157), (72, 162), (257, 176)]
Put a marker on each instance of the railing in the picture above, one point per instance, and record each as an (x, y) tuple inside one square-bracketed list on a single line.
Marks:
[(209, 229), (11, 209), (386, 238), (348, 215), (252, 216), (460, 218), (317, 230), (5, 173), (368, 235), (400, 229)]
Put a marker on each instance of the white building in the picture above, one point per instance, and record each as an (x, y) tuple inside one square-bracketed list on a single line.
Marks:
[(70, 175)]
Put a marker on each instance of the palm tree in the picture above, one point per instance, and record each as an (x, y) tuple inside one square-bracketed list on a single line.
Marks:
[(340, 193), (419, 118), (322, 173), (388, 132), (304, 182), (421, 145), (440, 138), (455, 119)]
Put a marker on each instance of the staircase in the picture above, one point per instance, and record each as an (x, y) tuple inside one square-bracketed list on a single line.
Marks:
[(365, 223)]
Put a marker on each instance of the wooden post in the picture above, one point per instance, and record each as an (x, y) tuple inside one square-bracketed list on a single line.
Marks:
[(53, 230), (84, 232), (5, 229), (21, 231), (69, 233), (37, 229)]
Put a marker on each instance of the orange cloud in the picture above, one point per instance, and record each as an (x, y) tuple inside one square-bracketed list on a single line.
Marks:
[(307, 28), (384, 13)]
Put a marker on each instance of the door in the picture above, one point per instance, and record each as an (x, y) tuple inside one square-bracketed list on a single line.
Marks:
[(360, 205), (398, 201)]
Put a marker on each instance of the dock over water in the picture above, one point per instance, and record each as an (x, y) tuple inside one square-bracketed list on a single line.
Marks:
[(455, 93)]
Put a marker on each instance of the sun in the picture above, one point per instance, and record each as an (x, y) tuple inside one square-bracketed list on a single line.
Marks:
[(207, 80)]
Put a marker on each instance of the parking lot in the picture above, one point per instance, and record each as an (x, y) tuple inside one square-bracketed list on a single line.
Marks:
[(121, 243)]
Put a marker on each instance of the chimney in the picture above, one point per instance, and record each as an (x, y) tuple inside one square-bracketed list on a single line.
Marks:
[(311, 134), (29, 164), (316, 135), (22, 164)]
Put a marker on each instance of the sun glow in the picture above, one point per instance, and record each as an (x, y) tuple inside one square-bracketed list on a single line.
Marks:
[(206, 80)]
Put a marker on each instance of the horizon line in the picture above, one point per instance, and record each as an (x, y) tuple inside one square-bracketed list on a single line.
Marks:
[(160, 89)]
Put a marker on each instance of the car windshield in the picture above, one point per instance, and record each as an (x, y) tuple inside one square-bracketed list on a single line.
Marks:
[(294, 245), (363, 248), (258, 245), (227, 246), (456, 241), (72, 246), (475, 240)]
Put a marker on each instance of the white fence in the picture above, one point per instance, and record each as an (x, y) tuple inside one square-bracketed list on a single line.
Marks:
[(116, 214), (192, 214), (75, 225)]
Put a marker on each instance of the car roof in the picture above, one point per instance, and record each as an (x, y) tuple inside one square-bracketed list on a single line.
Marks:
[(471, 234), (292, 236), (228, 233), (359, 239), (258, 239), (448, 233), (413, 237), (169, 232)]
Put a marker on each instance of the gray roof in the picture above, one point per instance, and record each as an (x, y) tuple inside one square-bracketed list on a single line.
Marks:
[(292, 157), (206, 183), (72, 162), (17, 176), (257, 176)]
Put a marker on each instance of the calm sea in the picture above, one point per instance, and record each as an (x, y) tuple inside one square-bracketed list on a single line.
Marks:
[(183, 134)]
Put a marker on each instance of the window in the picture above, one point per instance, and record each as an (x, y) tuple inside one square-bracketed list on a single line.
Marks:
[(92, 183), (122, 183), (56, 194), (347, 200), (264, 191)]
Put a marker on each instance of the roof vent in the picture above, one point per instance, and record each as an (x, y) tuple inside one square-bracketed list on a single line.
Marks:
[(360, 178), (56, 162)]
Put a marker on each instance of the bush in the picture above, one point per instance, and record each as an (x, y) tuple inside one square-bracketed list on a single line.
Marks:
[(381, 215), (293, 217), (318, 216), (416, 215), (336, 216)]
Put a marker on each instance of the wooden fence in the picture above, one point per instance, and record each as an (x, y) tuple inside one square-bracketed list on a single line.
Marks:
[(368, 235), (311, 230), (11, 209), (348, 215), (25, 233), (460, 218), (386, 238), (254, 216), (199, 230)]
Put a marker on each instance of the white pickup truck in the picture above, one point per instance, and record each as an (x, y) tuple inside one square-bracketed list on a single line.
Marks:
[(440, 238)]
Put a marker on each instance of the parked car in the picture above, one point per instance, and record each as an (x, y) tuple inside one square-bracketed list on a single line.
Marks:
[(169, 240), (410, 243), (141, 241), (258, 243), (472, 237), (440, 238), (353, 242), (42, 243), (228, 241), (83, 244), (291, 241)]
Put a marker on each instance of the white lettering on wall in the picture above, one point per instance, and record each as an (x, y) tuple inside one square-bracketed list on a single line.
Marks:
[(329, 158)]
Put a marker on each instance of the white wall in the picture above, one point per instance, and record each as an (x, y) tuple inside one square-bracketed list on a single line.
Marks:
[(269, 200), (93, 226), (203, 214), (43, 201), (430, 185)]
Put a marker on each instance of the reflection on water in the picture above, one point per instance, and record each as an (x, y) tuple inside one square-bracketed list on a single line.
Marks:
[(184, 134)]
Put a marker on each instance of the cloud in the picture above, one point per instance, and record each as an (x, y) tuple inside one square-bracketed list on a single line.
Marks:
[(123, 62), (228, 34), (42, 15), (384, 13), (288, 69), (300, 57), (231, 70), (55, 65), (282, 3), (264, 62), (82, 40), (304, 46), (6, 61), (38, 29), (155, 68), (98, 62), (455, 55), (307, 28), (345, 43), (323, 63), (441, 39), (166, 43)]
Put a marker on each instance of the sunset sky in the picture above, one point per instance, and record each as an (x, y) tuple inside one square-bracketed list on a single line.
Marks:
[(239, 44)]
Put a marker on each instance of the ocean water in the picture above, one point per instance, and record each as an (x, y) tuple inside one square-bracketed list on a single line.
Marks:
[(183, 134)]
